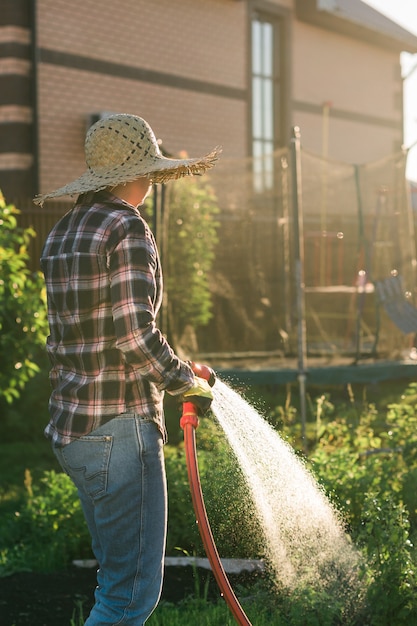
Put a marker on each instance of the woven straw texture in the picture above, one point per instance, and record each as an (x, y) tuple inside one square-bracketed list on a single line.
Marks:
[(122, 148)]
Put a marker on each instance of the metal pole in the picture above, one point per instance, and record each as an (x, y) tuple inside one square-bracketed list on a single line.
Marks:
[(158, 226), (286, 244), (299, 272)]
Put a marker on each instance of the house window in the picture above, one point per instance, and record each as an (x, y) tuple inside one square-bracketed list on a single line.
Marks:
[(267, 90)]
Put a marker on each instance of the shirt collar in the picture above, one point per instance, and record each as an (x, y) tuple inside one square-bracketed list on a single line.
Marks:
[(107, 197)]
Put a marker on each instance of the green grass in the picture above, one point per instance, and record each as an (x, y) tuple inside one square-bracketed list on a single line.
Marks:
[(194, 611), (202, 613)]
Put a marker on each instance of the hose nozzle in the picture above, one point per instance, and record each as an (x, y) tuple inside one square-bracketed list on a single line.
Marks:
[(203, 371)]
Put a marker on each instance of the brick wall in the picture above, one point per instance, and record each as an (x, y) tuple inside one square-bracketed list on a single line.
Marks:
[(181, 65), (18, 175)]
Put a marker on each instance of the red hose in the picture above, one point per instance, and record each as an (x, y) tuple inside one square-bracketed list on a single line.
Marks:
[(189, 422)]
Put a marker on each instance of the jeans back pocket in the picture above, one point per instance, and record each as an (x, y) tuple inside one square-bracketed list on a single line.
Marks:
[(86, 461)]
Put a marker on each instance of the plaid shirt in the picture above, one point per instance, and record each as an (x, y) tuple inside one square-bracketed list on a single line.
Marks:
[(104, 287)]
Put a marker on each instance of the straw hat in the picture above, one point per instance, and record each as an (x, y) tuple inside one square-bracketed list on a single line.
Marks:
[(121, 148)]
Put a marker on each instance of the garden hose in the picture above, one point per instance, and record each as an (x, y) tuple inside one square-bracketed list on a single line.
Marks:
[(189, 422)]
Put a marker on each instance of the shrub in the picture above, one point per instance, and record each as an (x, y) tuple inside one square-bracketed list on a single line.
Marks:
[(369, 468), (26, 417), (384, 537), (23, 319), (47, 530), (187, 235)]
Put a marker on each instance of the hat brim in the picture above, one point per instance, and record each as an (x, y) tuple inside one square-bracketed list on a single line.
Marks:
[(159, 170)]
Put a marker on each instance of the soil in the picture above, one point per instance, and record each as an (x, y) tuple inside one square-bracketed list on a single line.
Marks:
[(33, 599)]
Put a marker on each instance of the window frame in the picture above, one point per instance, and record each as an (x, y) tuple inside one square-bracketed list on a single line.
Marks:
[(279, 19)]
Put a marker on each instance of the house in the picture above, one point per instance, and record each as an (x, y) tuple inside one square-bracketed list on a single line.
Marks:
[(240, 73)]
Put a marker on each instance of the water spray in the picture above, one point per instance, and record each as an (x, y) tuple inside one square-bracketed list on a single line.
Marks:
[(304, 536), (189, 422)]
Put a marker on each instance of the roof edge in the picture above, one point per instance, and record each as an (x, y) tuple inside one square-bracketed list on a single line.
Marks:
[(357, 20)]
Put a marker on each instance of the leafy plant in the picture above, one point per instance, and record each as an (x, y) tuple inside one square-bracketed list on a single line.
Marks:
[(46, 530), (188, 236), (369, 468), (32, 401), (23, 320), (384, 536)]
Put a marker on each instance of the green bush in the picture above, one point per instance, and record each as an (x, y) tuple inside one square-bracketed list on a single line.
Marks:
[(25, 418), (369, 468), (46, 530), (187, 235), (23, 319), (375, 454), (384, 538)]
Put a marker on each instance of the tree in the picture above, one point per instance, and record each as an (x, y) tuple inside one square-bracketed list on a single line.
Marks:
[(23, 317)]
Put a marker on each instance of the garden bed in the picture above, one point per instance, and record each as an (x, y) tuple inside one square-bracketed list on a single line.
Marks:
[(33, 599)]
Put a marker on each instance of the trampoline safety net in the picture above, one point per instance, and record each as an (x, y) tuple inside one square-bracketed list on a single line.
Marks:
[(358, 237)]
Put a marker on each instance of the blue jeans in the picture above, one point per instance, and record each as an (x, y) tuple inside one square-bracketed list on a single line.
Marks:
[(120, 475)]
